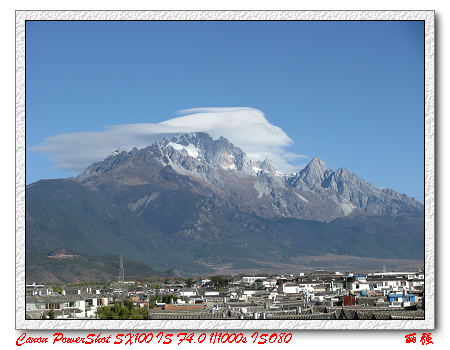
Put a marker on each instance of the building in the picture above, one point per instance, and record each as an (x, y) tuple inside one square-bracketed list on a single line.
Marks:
[(289, 288), (81, 304), (401, 297), (250, 280)]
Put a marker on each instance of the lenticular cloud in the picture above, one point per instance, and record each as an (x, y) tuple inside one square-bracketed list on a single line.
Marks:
[(246, 128)]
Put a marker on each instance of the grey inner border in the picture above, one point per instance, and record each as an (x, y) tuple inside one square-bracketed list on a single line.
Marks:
[(427, 16)]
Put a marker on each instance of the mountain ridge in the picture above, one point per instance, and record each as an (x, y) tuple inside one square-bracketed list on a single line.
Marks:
[(164, 207), (190, 232), (226, 170)]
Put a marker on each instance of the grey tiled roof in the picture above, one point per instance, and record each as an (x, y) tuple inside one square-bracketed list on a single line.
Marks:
[(62, 298)]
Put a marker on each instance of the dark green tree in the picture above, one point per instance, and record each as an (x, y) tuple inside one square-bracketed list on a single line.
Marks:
[(220, 281), (124, 311), (51, 314), (190, 281)]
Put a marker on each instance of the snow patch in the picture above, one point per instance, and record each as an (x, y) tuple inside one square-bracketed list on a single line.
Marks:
[(302, 198), (143, 201), (229, 166), (191, 149), (118, 151), (262, 189), (347, 208)]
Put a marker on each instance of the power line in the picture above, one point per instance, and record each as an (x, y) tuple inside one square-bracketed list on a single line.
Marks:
[(121, 272)]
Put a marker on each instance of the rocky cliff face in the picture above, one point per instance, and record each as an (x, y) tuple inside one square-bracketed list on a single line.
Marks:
[(219, 154), (344, 187), (221, 171)]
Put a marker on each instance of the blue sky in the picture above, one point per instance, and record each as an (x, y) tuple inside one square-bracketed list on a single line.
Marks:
[(349, 92)]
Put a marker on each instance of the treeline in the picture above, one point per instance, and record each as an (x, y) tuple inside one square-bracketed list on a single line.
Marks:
[(122, 311)]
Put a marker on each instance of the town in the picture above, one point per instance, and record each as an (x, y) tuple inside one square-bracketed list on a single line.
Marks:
[(319, 295)]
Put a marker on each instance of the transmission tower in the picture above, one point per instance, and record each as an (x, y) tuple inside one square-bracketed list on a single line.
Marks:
[(121, 272)]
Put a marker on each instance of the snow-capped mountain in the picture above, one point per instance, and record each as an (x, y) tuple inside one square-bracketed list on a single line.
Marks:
[(220, 154), (192, 202), (221, 171)]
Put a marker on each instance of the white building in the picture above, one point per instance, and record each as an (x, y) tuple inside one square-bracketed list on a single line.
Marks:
[(76, 305), (308, 286), (289, 288), (358, 286), (187, 292), (265, 283), (250, 280)]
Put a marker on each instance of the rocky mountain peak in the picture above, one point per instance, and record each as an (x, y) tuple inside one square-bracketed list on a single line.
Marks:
[(224, 172), (316, 167), (220, 153), (116, 152), (314, 173), (267, 166)]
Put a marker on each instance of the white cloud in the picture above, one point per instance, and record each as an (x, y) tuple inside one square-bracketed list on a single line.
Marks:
[(246, 128)]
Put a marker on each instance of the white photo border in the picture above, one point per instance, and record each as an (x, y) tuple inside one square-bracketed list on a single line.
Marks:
[(429, 129)]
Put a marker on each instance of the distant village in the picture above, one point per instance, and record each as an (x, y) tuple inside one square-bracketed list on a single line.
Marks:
[(317, 295)]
